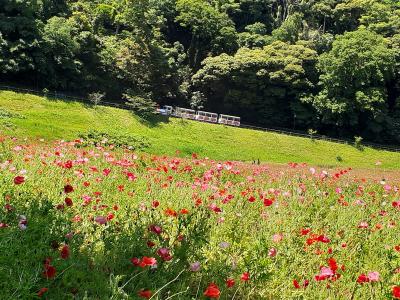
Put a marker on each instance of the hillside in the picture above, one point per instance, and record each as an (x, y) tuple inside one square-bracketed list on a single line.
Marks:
[(26, 115), (329, 65)]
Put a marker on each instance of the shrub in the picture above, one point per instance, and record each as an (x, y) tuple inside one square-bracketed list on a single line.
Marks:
[(5, 114), (197, 100), (312, 133), (358, 143), (120, 141), (96, 98)]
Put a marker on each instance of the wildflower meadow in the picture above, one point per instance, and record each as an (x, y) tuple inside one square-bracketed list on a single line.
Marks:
[(102, 222)]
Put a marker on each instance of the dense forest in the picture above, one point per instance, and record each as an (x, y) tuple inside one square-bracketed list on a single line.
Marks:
[(329, 65)]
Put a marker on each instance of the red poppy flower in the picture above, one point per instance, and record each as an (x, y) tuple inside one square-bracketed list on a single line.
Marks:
[(296, 284), (68, 189), (170, 212), (146, 294), (323, 239), (268, 202), (245, 276), (184, 211), (252, 199), (230, 282), (396, 292), (68, 164), (333, 265), (49, 271), (68, 201), (64, 253), (212, 291), (362, 279), (135, 261), (19, 180), (149, 261), (305, 231), (42, 291)]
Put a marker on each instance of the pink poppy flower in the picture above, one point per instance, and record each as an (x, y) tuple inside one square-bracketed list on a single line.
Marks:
[(373, 276)]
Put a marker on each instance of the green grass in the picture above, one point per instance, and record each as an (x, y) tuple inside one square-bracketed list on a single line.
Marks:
[(49, 119)]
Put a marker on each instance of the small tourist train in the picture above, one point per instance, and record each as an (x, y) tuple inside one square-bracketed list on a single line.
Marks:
[(203, 116)]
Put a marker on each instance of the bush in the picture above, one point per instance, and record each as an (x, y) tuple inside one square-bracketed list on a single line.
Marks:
[(5, 114), (358, 143), (120, 141), (96, 98), (312, 133), (197, 100)]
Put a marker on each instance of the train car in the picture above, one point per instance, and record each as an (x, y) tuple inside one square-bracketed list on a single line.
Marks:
[(207, 116), (185, 113), (168, 110), (229, 120), (165, 110)]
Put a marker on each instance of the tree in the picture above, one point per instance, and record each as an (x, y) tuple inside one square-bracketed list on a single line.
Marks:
[(60, 49), (290, 29), (260, 85), (144, 107), (255, 35), (381, 17), (212, 31), (20, 27), (353, 82)]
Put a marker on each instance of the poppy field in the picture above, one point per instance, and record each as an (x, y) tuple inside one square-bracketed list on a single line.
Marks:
[(104, 222)]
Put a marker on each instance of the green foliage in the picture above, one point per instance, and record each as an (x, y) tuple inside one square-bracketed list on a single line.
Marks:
[(144, 107), (96, 98), (354, 76), (5, 114), (197, 100), (259, 83), (61, 49), (98, 138), (312, 133), (290, 29), (358, 143), (212, 31), (255, 35)]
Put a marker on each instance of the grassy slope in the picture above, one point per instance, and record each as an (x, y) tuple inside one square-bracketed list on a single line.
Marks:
[(64, 120)]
